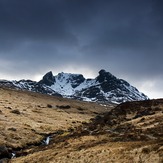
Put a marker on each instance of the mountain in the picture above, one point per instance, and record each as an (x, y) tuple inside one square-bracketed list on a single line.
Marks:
[(104, 88)]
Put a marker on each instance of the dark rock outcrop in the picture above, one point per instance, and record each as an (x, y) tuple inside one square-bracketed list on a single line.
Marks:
[(4, 153), (48, 79)]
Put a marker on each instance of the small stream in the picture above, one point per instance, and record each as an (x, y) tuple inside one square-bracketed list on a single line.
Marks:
[(8, 153), (42, 145)]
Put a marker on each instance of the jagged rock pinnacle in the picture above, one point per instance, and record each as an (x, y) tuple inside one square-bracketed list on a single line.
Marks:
[(48, 79)]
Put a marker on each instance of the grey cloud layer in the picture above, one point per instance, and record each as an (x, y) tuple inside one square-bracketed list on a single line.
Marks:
[(124, 37)]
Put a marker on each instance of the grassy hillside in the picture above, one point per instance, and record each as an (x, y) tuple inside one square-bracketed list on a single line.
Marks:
[(79, 131)]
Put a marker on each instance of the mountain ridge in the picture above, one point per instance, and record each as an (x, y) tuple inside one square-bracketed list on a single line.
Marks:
[(104, 88)]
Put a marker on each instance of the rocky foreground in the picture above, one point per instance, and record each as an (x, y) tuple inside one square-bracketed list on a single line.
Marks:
[(41, 128)]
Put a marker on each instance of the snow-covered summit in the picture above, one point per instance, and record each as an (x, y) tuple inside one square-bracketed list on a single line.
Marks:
[(104, 88), (66, 83)]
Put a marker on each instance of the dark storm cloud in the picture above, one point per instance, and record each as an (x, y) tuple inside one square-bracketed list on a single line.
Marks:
[(129, 35), (32, 19), (31, 31), (124, 37)]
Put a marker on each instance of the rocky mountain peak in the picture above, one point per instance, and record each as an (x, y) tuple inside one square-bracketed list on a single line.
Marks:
[(102, 72), (105, 76), (48, 79)]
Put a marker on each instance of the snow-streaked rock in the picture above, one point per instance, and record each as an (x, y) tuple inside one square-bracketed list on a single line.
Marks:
[(104, 88)]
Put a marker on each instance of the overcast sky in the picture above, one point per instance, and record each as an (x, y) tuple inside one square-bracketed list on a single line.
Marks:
[(84, 36)]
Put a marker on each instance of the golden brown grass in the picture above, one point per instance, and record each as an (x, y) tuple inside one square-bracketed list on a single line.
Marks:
[(25, 118)]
